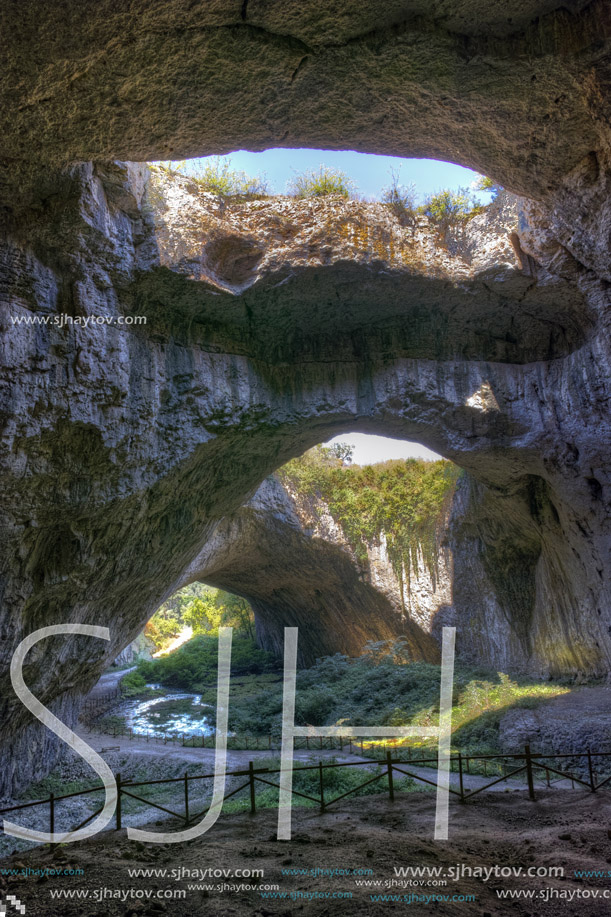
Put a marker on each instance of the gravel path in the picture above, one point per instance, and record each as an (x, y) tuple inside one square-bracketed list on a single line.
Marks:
[(238, 759)]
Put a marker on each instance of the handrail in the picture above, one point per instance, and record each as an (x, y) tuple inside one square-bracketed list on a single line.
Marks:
[(528, 762)]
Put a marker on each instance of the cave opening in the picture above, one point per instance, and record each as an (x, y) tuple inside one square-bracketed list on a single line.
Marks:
[(143, 447), (368, 514)]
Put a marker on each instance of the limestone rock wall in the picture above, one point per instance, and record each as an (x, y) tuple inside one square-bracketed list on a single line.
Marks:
[(125, 446), (289, 558)]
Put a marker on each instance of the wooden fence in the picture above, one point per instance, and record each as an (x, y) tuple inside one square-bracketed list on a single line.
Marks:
[(527, 763)]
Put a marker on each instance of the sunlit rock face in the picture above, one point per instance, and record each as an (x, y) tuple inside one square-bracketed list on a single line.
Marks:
[(273, 326), (292, 560)]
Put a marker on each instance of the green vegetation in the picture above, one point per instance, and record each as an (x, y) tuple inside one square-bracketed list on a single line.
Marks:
[(133, 684), (376, 689), (404, 499), (220, 609), (218, 177), (321, 182), (489, 185), (204, 609), (193, 667), (449, 209), (336, 780)]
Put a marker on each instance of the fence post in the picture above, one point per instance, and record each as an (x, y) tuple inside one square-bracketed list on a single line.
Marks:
[(322, 792), (350, 740), (529, 772), (186, 797), (460, 778), (118, 811), (391, 789), (251, 779), (591, 770), (52, 819)]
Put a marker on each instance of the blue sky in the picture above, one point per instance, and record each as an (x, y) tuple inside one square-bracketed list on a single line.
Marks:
[(370, 172)]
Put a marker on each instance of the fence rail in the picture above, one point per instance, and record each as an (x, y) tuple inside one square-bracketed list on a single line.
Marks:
[(99, 701), (472, 764), (527, 762)]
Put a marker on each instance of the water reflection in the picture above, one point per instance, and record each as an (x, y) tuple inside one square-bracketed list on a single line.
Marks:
[(172, 714)]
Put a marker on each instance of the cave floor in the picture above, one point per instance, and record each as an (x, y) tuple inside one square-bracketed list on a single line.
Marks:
[(567, 829)]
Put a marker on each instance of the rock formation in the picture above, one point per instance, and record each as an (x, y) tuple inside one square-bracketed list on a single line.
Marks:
[(272, 326), (293, 562)]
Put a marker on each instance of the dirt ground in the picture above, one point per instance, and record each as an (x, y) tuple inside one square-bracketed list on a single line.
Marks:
[(565, 829)]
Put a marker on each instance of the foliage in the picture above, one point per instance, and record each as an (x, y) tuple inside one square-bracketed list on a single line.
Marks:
[(133, 684), (162, 630), (218, 177), (204, 609), (402, 199), (488, 184), (321, 182), (447, 209), (220, 609), (371, 691), (194, 665), (404, 499)]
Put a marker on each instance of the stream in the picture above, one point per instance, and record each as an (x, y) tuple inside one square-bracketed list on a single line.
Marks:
[(171, 714)]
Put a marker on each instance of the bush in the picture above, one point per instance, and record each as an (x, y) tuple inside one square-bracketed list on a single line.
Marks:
[(321, 182), (450, 208), (195, 663), (400, 198), (336, 781), (217, 176), (405, 499), (133, 683)]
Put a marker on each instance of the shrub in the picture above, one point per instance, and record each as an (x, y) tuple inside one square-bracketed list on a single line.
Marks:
[(133, 683), (321, 182), (217, 176), (336, 781), (313, 707), (450, 208), (162, 630), (195, 663), (404, 499), (400, 198)]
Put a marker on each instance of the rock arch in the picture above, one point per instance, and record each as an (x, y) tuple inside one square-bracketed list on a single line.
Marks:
[(124, 446)]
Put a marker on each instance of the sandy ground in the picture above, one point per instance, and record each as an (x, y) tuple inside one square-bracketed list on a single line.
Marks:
[(562, 829)]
